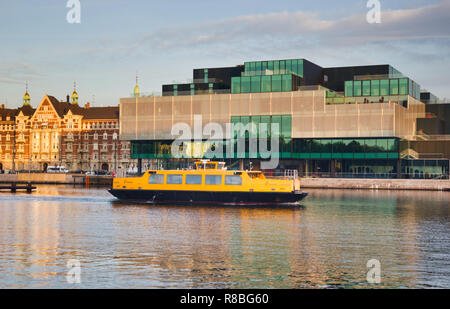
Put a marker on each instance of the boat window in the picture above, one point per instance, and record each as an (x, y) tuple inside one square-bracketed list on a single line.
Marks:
[(156, 179), (193, 179), (210, 166), (174, 179), (233, 180), (213, 180)]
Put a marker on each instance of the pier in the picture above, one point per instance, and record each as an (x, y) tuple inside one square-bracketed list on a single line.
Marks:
[(13, 187)]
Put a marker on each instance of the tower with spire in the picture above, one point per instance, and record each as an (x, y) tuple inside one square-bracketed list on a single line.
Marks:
[(136, 88), (74, 97), (26, 96)]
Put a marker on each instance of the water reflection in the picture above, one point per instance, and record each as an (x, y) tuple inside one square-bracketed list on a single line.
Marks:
[(326, 243)]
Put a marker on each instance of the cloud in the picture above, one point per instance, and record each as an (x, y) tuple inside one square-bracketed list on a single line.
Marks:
[(18, 73), (429, 22)]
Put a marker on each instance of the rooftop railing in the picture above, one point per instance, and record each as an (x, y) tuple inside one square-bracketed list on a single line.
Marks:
[(377, 76)]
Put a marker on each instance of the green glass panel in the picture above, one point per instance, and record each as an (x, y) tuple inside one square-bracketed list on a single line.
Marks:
[(381, 155), (266, 83), (357, 88), (336, 155), (375, 88), (384, 87), (288, 66), (286, 148), (294, 66), (264, 67), (327, 145), (247, 66), (347, 156), (270, 65), (286, 83), (258, 67), (282, 67), (366, 88), (382, 145), (349, 88), (245, 120), (255, 120), (266, 120), (338, 146), (234, 121), (276, 67), (316, 146), (403, 86), (370, 145), (245, 84), (394, 86), (256, 84), (253, 67), (392, 155), (286, 125), (392, 145), (276, 120), (276, 83), (235, 85)]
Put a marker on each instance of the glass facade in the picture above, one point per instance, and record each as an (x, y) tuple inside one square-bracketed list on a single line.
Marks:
[(383, 87), (355, 149), (274, 67), (264, 83)]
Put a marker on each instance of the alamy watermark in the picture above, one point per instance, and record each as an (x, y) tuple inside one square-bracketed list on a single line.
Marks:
[(74, 273), (374, 273), (74, 14), (374, 14), (244, 138)]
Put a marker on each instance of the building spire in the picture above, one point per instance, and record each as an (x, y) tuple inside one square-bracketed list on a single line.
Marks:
[(74, 98), (26, 96), (136, 88)]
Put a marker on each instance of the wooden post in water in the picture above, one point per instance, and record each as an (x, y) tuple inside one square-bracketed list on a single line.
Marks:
[(29, 188)]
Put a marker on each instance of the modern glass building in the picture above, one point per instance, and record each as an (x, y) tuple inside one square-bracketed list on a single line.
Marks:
[(362, 121)]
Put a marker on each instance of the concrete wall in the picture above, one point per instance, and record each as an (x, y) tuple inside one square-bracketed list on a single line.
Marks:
[(37, 178), (376, 184)]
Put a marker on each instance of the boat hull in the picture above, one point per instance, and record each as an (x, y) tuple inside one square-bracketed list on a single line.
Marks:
[(209, 197)]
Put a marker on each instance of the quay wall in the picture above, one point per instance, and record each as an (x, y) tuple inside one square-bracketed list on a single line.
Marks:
[(57, 179), (320, 183), (376, 184)]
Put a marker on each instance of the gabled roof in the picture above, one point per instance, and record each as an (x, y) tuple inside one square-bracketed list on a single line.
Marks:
[(5, 112), (27, 110), (63, 107)]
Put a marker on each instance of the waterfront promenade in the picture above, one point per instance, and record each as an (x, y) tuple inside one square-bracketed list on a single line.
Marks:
[(318, 183)]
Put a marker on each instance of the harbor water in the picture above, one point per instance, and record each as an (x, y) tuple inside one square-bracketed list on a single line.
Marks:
[(325, 243)]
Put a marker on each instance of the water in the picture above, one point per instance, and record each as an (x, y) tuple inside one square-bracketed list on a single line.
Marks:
[(325, 243)]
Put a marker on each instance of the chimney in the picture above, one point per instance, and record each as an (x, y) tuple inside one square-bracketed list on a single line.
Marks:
[(87, 105), (68, 99)]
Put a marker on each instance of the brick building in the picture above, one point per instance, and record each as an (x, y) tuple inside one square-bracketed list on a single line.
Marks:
[(62, 133)]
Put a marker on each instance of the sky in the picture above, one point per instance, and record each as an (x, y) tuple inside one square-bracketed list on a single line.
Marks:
[(162, 41)]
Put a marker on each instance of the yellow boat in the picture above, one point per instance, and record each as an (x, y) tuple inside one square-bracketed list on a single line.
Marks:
[(209, 183)]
